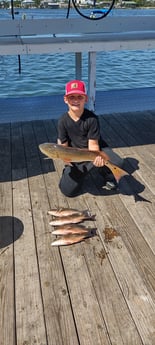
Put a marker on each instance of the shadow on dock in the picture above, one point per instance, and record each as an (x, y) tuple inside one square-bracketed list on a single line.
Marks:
[(11, 229)]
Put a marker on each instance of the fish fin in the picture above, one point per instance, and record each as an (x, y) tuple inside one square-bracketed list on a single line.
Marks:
[(67, 162), (93, 217), (55, 210), (104, 156), (86, 213), (117, 172)]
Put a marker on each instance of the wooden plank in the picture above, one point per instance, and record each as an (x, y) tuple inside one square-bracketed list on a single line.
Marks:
[(30, 324), (109, 295), (57, 306), (7, 307)]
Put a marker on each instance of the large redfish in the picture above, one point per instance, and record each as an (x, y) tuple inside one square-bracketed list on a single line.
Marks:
[(72, 154)]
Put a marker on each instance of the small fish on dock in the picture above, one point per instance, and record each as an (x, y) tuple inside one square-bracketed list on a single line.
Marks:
[(63, 212), (73, 219), (71, 229), (70, 239)]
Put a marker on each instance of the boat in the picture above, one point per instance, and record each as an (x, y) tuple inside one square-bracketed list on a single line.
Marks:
[(98, 11), (53, 5)]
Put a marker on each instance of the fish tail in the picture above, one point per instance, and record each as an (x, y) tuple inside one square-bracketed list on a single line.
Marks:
[(86, 213), (117, 172), (92, 217)]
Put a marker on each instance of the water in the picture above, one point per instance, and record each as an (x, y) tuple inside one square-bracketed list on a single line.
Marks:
[(47, 74)]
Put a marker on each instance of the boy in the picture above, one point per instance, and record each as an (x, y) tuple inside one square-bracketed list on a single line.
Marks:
[(79, 128)]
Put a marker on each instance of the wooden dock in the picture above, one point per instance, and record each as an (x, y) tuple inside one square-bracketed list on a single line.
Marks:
[(97, 292)]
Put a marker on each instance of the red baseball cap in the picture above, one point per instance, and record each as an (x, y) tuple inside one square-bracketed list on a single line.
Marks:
[(75, 86)]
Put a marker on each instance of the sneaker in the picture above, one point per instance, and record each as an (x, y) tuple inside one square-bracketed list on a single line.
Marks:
[(110, 185)]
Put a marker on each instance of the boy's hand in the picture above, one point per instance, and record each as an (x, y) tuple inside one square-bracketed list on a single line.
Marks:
[(99, 162)]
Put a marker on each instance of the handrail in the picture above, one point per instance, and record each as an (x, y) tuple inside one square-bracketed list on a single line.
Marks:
[(77, 25)]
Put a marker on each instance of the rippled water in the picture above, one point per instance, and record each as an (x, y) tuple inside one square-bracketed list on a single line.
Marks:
[(47, 74)]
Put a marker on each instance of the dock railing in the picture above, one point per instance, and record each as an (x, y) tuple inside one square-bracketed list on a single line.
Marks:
[(78, 35)]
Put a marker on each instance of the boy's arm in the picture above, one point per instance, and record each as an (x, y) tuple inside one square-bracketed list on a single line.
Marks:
[(94, 146), (60, 143)]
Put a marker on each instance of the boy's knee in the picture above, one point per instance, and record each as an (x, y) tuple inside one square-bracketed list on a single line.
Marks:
[(67, 192)]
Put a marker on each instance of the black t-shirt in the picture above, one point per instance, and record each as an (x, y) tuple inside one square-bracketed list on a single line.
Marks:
[(77, 133)]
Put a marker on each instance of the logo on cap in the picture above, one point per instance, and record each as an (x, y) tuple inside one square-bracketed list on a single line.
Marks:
[(74, 85)]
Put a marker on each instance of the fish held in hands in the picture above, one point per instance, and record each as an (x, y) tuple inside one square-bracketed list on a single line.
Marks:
[(73, 219), (67, 240), (71, 229), (73, 154), (63, 212)]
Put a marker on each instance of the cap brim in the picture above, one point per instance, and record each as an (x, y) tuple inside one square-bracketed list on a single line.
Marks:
[(77, 92)]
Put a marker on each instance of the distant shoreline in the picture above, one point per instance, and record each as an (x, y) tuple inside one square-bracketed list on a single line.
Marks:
[(64, 6)]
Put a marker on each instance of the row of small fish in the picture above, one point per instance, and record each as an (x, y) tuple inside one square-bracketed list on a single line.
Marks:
[(65, 225)]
